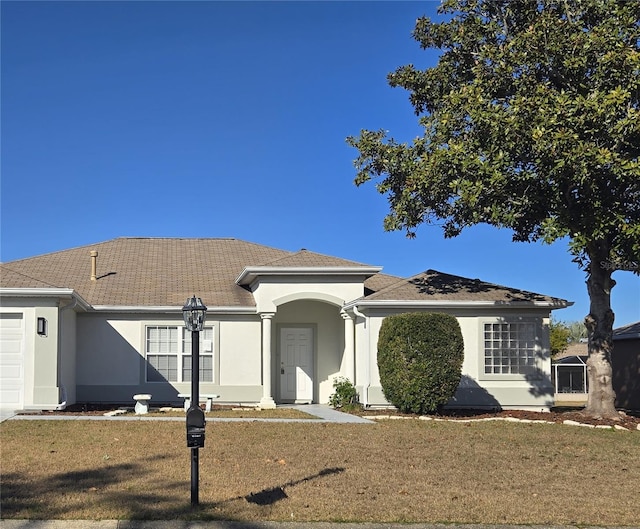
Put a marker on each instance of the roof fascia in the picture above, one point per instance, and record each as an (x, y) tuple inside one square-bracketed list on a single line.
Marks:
[(169, 309), (45, 293), (454, 304), (251, 273), (626, 336)]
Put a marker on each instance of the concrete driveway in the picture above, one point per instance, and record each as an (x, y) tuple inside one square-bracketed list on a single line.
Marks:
[(6, 413)]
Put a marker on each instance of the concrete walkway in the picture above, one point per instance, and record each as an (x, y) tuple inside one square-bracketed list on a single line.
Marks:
[(323, 412)]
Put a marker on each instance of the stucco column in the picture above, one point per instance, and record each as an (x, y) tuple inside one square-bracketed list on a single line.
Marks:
[(349, 350), (267, 401)]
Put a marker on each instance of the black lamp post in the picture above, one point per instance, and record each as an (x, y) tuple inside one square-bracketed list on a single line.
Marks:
[(194, 313)]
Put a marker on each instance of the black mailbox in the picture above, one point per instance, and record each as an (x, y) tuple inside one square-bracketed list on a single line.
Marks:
[(195, 427)]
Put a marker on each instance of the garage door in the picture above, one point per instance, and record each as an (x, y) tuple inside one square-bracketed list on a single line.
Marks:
[(11, 360)]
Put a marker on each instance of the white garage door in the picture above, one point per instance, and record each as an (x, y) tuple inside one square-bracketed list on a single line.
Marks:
[(11, 360)]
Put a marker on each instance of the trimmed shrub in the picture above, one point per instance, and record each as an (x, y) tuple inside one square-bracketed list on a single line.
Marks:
[(420, 360)]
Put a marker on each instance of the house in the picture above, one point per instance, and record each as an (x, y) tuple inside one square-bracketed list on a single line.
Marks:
[(625, 363), (103, 322)]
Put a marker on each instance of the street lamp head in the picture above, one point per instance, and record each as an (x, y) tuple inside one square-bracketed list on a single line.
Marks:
[(194, 313)]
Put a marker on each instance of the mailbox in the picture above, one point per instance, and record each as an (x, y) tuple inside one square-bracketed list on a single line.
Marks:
[(195, 427)]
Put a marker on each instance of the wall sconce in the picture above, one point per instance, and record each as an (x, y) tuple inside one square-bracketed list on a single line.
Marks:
[(42, 326)]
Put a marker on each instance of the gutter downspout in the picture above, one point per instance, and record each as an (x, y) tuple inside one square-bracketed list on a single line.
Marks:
[(62, 405), (366, 383)]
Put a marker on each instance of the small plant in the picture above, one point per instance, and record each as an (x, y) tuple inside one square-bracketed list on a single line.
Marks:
[(345, 395)]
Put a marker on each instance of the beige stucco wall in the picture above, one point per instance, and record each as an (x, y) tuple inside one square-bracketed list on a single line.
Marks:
[(475, 386), (67, 356), (240, 352), (111, 363), (273, 292)]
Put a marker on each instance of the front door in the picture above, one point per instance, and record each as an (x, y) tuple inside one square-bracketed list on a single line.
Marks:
[(296, 364)]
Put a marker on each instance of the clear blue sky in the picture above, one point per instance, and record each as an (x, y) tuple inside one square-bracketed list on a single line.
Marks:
[(229, 119)]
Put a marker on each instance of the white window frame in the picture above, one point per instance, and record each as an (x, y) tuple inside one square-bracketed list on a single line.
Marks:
[(509, 344), (178, 346)]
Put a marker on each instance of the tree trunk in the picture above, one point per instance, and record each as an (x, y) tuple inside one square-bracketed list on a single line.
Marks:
[(599, 323)]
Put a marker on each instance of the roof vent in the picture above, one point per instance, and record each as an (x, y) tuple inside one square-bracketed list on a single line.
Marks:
[(94, 264)]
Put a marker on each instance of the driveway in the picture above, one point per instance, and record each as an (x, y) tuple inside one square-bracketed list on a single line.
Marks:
[(6, 413)]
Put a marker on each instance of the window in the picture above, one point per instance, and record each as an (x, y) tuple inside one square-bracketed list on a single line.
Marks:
[(510, 348), (168, 350)]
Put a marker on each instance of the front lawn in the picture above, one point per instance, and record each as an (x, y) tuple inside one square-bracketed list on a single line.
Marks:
[(392, 471)]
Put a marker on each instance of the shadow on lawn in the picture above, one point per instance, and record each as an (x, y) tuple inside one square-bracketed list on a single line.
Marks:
[(274, 494), (89, 494), (69, 493)]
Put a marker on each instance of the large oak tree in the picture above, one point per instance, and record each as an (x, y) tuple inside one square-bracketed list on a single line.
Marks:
[(531, 122)]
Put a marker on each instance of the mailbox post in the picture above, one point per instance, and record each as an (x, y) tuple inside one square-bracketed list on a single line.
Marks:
[(194, 313)]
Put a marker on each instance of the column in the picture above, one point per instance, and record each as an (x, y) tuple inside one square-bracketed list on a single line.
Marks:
[(349, 351), (267, 401)]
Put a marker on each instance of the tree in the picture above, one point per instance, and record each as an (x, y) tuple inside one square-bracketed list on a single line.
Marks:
[(559, 335), (531, 123), (577, 331)]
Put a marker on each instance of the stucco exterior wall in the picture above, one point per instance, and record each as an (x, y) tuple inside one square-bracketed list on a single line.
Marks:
[(111, 364), (476, 389), (240, 352), (275, 292), (67, 379)]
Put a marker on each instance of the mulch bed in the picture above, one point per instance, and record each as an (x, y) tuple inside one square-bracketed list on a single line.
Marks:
[(101, 409), (629, 420)]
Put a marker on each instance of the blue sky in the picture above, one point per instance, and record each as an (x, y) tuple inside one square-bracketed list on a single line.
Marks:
[(229, 119)]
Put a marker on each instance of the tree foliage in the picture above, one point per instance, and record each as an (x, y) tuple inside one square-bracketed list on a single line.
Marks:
[(577, 331), (420, 359), (559, 335), (532, 123)]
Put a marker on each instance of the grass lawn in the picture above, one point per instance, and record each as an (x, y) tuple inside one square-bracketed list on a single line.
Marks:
[(393, 471)]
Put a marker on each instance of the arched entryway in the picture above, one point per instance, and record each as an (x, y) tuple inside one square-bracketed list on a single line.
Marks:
[(309, 346)]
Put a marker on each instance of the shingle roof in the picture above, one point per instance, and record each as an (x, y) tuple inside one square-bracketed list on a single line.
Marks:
[(632, 330), (438, 286), (157, 271)]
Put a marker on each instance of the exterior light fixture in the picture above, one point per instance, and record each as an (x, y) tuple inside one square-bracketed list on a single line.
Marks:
[(41, 327), (194, 313)]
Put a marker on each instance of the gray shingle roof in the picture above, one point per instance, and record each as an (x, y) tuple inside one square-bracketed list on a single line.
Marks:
[(438, 286), (631, 330), (157, 271), (161, 272)]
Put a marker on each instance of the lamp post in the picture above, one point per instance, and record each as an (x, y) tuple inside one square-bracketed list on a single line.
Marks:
[(194, 313)]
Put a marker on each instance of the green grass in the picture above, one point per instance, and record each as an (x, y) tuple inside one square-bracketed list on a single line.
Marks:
[(393, 471)]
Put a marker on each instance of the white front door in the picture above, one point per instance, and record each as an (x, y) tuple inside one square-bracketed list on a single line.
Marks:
[(11, 361), (296, 364)]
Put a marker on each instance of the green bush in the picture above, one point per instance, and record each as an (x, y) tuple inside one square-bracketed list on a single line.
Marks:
[(420, 360), (345, 395)]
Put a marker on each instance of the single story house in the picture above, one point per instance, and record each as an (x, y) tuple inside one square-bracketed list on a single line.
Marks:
[(625, 363), (103, 322)]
